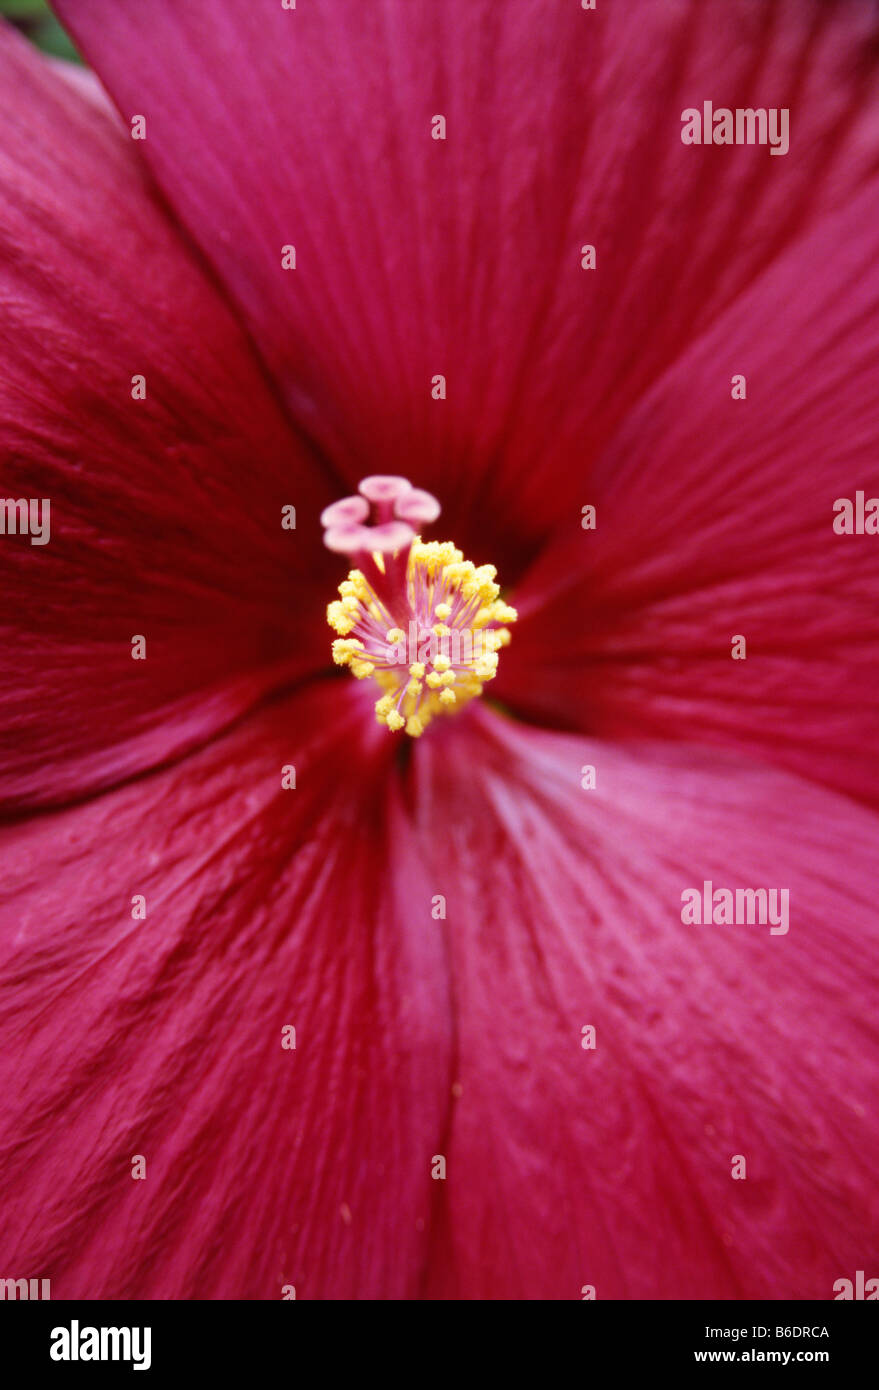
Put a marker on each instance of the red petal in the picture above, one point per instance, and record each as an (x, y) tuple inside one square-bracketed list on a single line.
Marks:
[(419, 257), (715, 519), (613, 1167), (565, 1167), (162, 1037), (165, 512)]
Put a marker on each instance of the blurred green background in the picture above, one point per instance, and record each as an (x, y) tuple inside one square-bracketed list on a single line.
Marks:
[(37, 22)]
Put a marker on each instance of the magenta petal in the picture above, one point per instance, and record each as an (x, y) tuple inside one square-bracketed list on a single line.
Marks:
[(418, 258), (612, 1167), (165, 512), (162, 1037), (714, 519)]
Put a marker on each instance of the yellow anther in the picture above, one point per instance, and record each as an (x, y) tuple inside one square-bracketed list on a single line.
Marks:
[(435, 555), (344, 648), (436, 570), (459, 571), (339, 620)]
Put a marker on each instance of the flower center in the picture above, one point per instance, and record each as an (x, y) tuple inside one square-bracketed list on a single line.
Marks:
[(414, 616)]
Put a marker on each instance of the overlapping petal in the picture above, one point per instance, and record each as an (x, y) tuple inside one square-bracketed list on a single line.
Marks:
[(419, 1036), (715, 519), (312, 907), (266, 908), (418, 257), (613, 1167), (165, 512)]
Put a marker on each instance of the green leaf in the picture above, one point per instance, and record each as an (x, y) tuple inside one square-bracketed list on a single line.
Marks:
[(23, 9), (51, 38)]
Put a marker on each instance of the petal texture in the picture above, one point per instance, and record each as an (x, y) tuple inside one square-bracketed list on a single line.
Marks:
[(715, 520), (165, 512), (418, 257), (612, 1167), (162, 1037)]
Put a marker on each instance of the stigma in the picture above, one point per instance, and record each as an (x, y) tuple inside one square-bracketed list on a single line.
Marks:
[(413, 616)]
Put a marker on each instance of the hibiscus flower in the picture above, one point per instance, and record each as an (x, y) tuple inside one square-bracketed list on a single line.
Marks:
[(291, 999)]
